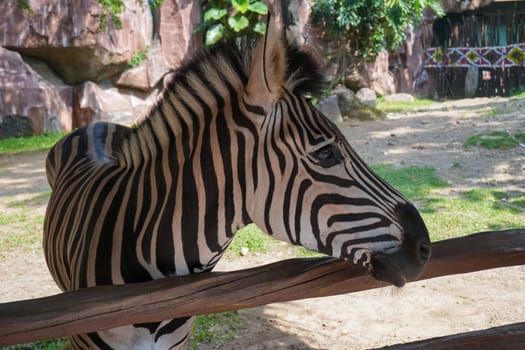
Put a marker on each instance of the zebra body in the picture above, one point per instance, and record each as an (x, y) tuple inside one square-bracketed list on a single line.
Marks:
[(231, 142)]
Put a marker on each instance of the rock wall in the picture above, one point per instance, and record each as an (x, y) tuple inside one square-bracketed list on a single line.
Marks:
[(458, 6), (70, 36), (61, 62), (32, 98)]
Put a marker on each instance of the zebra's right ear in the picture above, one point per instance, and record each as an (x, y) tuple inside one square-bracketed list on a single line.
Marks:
[(268, 69)]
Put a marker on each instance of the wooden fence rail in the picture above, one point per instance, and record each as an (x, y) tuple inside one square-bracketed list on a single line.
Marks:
[(508, 337), (103, 307)]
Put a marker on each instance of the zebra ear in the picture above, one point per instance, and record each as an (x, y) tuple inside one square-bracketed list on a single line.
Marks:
[(268, 69)]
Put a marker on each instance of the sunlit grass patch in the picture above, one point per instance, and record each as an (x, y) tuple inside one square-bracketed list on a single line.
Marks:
[(393, 107), (252, 238), (216, 328), (16, 145), (416, 183), (51, 344), (459, 213), (495, 139), (473, 211), (21, 221)]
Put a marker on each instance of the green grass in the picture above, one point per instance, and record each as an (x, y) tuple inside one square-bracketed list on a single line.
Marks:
[(416, 183), (21, 221), (250, 237), (216, 328), (473, 211), (391, 107), (495, 140), (458, 213), (17, 145), (518, 92), (53, 344), (520, 137)]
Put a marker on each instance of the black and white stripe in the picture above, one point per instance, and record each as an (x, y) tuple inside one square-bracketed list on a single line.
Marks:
[(232, 141)]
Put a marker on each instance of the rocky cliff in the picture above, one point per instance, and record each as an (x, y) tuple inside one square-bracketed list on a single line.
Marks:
[(65, 63)]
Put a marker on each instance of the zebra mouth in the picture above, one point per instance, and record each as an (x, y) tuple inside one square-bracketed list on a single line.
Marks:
[(384, 269)]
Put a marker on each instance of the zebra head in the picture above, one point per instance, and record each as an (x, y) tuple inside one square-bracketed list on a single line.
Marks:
[(311, 188)]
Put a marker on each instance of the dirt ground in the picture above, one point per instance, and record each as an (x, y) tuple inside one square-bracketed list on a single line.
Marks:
[(371, 319)]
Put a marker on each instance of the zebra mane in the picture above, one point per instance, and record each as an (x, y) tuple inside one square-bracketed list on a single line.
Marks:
[(303, 76)]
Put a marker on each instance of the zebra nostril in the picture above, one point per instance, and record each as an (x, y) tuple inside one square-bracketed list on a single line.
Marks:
[(422, 251)]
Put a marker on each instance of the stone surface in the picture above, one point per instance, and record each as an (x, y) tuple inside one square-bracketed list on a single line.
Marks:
[(378, 76), (329, 106), (367, 97), (407, 62), (146, 75), (346, 100), (32, 91), (15, 126), (363, 112), (70, 37), (400, 97), (375, 75), (463, 5), (296, 19), (471, 81), (104, 102), (178, 20)]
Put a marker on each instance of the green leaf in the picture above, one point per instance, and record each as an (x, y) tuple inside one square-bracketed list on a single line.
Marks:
[(238, 23), (214, 14), (241, 5), (260, 28), (258, 7), (214, 33)]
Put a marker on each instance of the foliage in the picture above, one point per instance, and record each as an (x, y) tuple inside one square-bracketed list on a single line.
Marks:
[(114, 8), (519, 91), (495, 139), (368, 26), (29, 144), (23, 5), (138, 57), (231, 18)]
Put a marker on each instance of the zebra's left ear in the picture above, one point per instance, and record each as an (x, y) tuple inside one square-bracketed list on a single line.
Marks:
[(268, 69)]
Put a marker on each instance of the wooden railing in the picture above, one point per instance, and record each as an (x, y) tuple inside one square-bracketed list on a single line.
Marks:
[(103, 307)]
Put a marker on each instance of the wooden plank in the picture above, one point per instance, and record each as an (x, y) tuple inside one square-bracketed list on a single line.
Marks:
[(104, 307), (509, 337)]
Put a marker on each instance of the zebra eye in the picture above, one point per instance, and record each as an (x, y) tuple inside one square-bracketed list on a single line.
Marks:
[(327, 156)]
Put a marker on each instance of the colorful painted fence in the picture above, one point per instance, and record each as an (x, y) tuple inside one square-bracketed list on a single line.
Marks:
[(486, 57)]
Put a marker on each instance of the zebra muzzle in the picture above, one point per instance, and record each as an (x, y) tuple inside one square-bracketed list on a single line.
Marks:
[(407, 264)]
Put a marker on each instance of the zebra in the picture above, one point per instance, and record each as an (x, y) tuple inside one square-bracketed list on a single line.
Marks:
[(234, 139)]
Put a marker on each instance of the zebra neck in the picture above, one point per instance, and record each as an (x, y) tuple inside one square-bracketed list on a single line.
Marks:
[(200, 103)]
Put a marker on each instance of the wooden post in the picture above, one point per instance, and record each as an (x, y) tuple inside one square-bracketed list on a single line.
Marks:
[(103, 307)]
